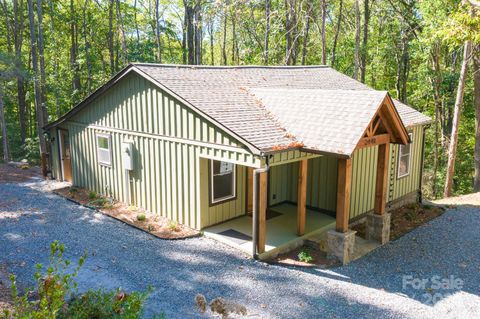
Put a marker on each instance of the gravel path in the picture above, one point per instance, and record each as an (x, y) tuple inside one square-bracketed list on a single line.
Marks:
[(370, 287)]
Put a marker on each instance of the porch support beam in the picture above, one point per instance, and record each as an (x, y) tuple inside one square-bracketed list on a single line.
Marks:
[(381, 181), (262, 211), (344, 183), (302, 197)]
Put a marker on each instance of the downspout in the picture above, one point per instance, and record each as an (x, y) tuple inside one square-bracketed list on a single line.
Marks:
[(256, 173), (420, 182)]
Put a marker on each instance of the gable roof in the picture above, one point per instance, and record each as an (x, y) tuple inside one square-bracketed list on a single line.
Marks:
[(329, 120), (271, 108)]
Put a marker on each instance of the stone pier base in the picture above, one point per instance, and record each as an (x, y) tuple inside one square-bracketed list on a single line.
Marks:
[(378, 227), (341, 245)]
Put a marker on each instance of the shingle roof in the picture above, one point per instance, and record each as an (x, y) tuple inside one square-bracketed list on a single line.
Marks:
[(274, 107), (327, 120)]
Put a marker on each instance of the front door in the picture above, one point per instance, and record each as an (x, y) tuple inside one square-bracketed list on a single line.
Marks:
[(64, 145)]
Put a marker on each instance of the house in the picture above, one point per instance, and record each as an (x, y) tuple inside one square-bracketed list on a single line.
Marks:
[(255, 153)]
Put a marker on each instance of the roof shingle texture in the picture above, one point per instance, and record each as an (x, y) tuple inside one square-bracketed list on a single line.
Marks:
[(274, 107)]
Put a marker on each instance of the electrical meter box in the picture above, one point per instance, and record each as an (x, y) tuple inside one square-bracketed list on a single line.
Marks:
[(127, 155)]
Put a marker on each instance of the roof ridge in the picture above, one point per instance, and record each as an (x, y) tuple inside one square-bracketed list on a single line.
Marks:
[(187, 66)]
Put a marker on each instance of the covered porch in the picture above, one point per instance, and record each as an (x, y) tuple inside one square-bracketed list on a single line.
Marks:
[(280, 231), (274, 228)]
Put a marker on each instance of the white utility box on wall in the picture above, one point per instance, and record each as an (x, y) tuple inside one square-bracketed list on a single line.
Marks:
[(127, 155)]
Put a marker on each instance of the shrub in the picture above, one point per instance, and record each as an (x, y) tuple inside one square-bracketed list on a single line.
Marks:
[(52, 288), (305, 256), (58, 298), (92, 195), (173, 225), (104, 304), (141, 217), (30, 150)]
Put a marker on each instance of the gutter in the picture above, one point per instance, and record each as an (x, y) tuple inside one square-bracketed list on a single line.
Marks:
[(256, 173)]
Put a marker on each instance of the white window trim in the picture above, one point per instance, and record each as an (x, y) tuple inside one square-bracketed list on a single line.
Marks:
[(108, 137), (409, 159), (222, 199)]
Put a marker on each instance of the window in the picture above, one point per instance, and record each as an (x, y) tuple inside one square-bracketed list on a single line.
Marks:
[(405, 158), (222, 179), (104, 149)]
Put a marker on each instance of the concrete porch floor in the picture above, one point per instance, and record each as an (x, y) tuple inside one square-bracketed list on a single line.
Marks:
[(281, 227)]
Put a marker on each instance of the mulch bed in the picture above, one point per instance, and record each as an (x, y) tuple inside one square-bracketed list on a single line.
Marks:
[(15, 174), (405, 219), (158, 226)]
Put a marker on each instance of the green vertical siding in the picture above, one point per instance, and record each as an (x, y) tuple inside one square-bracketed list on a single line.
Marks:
[(170, 142), (364, 164), (410, 183), (321, 183)]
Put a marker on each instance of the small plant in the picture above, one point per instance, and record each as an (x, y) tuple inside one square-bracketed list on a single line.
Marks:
[(411, 215), (141, 217), (132, 208), (101, 203), (92, 194), (173, 225), (305, 256), (73, 190), (150, 228)]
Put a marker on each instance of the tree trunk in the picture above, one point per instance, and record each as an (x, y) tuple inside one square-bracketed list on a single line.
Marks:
[(267, 31), (198, 32), (364, 51), (476, 99), (436, 82), (137, 32), (337, 32), (189, 15), (224, 44), (111, 51), (307, 30), (18, 42), (235, 55), (288, 35), (323, 32), (124, 37), (357, 40), (87, 47), (210, 31), (74, 49), (43, 87), (36, 80), (403, 66), (452, 149), (157, 32), (184, 35), (3, 124)]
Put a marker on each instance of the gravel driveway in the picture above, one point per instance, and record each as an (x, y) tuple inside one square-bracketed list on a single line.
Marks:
[(385, 283)]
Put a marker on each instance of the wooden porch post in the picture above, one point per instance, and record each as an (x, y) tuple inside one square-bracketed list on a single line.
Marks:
[(381, 182), (344, 183), (262, 211), (302, 197)]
